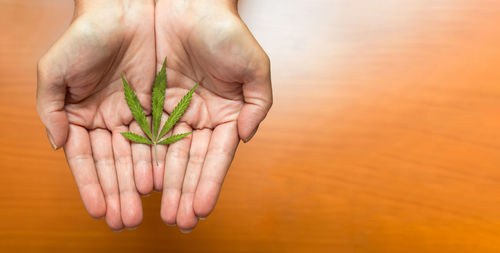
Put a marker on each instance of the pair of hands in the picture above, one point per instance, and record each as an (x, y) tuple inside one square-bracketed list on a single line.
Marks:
[(80, 101)]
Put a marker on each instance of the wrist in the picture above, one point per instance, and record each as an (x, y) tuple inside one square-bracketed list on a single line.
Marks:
[(231, 5), (112, 7)]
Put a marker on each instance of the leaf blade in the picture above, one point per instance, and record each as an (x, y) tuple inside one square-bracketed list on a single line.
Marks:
[(137, 138), (177, 112), (159, 85), (135, 107), (174, 138)]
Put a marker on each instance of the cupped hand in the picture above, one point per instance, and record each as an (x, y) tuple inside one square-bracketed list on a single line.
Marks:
[(206, 42), (80, 101)]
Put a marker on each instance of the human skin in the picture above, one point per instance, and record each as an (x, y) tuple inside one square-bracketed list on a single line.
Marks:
[(80, 101), (206, 42)]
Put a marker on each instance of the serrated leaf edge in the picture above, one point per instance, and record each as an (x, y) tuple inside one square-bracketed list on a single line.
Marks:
[(135, 105), (141, 138), (177, 113), (158, 99), (173, 138)]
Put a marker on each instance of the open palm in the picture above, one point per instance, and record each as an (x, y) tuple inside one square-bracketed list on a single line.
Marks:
[(206, 43), (81, 102)]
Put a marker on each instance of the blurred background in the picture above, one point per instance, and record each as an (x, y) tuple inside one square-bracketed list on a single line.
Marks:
[(384, 136)]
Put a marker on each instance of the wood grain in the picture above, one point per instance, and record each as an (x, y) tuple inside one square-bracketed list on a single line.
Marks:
[(384, 137)]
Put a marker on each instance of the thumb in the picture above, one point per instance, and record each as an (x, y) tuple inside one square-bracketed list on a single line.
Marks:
[(258, 100), (51, 92)]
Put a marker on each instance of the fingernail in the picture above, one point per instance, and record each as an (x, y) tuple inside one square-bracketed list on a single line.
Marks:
[(117, 231), (202, 218), (130, 229), (51, 140), (185, 231), (251, 135), (170, 225)]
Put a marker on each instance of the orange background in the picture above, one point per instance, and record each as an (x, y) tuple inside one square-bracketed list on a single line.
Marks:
[(384, 136)]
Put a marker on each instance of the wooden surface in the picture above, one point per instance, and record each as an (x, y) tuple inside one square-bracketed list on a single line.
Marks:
[(384, 137)]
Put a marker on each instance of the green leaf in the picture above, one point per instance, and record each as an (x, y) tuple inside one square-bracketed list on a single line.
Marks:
[(136, 108), (158, 98), (174, 138), (136, 138), (159, 86), (177, 112)]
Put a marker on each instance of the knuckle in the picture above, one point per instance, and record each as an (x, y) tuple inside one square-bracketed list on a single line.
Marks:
[(178, 153), (42, 67), (47, 73), (268, 103), (267, 60), (142, 165), (196, 159), (39, 110)]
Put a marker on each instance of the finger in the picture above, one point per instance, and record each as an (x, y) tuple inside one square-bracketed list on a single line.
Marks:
[(51, 92), (102, 152), (220, 154), (175, 167), (258, 100), (79, 155), (159, 153), (141, 155), (186, 218), (130, 202)]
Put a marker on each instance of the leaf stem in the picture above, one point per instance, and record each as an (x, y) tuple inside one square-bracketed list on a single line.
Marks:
[(155, 155)]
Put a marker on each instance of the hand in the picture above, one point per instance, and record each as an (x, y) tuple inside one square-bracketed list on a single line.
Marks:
[(80, 101), (206, 42)]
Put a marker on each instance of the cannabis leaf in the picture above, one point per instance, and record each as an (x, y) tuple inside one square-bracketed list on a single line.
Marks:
[(159, 86), (158, 99), (174, 138), (136, 108), (177, 112), (137, 138)]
